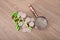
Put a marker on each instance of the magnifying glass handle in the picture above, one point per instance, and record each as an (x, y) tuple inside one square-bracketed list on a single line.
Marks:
[(33, 10)]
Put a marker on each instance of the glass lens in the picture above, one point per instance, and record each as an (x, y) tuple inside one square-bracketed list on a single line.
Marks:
[(41, 22)]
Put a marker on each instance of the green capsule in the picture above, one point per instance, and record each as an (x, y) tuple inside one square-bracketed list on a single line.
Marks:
[(16, 19), (17, 26), (15, 14), (30, 27)]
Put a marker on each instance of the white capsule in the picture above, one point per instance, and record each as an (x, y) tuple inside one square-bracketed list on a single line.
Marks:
[(28, 30), (24, 30), (23, 26), (19, 13), (22, 14), (31, 24), (20, 23), (32, 19), (27, 19)]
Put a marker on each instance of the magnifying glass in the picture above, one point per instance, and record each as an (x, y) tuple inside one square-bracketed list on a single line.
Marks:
[(40, 21)]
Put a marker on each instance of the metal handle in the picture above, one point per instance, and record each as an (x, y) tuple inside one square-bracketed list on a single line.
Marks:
[(33, 10)]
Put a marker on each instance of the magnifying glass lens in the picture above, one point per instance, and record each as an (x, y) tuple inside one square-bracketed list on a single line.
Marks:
[(41, 22)]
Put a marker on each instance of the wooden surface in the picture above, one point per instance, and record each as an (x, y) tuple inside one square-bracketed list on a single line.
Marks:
[(48, 8)]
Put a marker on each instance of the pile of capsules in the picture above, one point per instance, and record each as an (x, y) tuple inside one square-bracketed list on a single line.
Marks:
[(22, 21)]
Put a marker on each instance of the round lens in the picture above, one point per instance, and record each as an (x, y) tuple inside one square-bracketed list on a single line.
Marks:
[(41, 22)]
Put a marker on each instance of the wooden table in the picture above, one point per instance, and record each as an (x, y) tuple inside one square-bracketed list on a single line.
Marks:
[(48, 8)]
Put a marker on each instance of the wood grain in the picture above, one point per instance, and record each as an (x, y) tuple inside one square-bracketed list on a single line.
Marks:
[(48, 8)]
